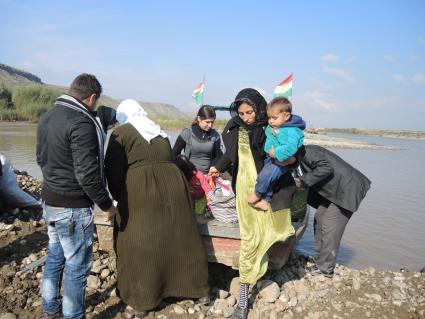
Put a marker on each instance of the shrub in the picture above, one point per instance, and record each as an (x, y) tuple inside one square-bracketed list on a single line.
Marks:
[(32, 101), (5, 97)]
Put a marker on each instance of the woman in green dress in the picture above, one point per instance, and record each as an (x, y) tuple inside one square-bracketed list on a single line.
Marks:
[(158, 247), (244, 140)]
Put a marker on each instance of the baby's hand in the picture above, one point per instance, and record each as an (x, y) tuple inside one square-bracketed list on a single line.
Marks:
[(271, 152)]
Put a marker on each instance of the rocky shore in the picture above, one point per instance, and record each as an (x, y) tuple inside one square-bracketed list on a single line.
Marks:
[(290, 292)]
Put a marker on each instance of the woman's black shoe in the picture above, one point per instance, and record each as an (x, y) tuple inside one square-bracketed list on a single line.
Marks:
[(240, 313)]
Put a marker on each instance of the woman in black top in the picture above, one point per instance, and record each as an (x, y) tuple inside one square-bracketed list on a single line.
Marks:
[(200, 142)]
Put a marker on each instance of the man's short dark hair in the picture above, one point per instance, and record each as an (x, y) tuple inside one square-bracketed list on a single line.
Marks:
[(84, 86)]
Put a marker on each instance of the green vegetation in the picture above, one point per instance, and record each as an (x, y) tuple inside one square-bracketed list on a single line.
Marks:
[(5, 97), (28, 102)]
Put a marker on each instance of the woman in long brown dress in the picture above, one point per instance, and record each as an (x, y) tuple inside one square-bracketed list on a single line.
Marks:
[(158, 247)]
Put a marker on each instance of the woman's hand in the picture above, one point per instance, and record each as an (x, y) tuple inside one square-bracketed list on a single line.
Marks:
[(213, 172)]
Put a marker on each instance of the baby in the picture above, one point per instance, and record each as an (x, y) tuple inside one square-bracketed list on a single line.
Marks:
[(284, 136)]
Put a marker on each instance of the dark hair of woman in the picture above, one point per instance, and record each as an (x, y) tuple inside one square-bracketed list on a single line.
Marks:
[(205, 112)]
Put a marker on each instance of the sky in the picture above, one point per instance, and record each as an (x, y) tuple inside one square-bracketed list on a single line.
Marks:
[(355, 63)]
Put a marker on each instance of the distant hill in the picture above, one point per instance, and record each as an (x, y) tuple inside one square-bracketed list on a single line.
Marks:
[(12, 77)]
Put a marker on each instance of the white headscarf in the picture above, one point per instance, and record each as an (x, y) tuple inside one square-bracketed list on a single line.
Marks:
[(130, 111)]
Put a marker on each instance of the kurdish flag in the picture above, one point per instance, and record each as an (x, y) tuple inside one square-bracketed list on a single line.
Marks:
[(198, 94), (284, 88)]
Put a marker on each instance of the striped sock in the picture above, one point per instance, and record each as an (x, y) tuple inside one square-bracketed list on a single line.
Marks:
[(243, 296)]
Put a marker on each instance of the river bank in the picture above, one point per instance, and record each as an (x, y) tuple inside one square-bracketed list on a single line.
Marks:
[(290, 292), (419, 135)]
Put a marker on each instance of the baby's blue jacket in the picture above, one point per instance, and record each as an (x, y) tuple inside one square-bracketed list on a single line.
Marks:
[(287, 139)]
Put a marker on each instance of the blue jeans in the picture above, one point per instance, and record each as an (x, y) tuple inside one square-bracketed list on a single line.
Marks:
[(267, 177), (70, 248)]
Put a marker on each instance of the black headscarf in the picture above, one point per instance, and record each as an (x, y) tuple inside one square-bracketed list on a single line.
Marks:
[(107, 116), (255, 130)]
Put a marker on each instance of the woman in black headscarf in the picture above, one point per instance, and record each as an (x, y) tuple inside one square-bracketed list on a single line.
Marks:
[(106, 116), (244, 139)]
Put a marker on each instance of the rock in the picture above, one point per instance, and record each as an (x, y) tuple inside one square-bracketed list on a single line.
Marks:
[(234, 286), (283, 297), (105, 273), (386, 280), (7, 315), (253, 314), (179, 310), (280, 305), (300, 287), (293, 302), (220, 304), (201, 316), (371, 270), (375, 297), (223, 294), (231, 301), (93, 282), (397, 295), (228, 312), (190, 311), (288, 315), (269, 290), (273, 314), (356, 283)]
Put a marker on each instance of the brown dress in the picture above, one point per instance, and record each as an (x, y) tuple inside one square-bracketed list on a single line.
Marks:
[(159, 250)]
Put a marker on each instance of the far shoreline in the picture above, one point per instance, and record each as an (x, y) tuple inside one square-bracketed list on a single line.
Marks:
[(178, 124)]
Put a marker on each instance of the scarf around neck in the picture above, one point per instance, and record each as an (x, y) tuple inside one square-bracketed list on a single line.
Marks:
[(76, 105)]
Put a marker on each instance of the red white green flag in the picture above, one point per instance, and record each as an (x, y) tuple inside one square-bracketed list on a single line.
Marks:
[(198, 94), (284, 88)]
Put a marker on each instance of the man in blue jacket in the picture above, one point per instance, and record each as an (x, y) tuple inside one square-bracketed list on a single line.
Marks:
[(336, 190), (70, 154)]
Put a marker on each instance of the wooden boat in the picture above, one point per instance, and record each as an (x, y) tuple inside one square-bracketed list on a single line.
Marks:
[(222, 241)]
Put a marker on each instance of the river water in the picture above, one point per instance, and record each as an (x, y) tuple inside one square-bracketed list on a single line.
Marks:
[(387, 232)]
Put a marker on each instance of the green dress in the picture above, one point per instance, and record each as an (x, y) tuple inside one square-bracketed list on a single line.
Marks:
[(159, 249), (259, 230)]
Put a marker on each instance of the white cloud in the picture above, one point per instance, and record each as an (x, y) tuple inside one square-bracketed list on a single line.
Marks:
[(329, 57), (352, 59), (419, 78), (322, 99), (389, 58), (413, 56), (398, 77), (339, 73)]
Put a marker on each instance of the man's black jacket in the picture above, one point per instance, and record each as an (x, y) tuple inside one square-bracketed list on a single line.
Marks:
[(328, 175), (67, 152)]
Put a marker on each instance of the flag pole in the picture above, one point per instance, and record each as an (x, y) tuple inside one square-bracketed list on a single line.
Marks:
[(203, 92)]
